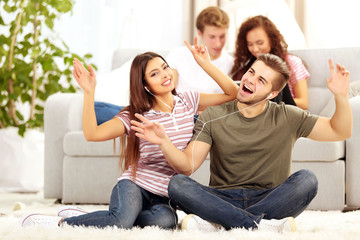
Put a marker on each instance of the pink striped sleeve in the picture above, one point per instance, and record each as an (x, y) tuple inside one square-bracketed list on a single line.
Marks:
[(192, 97), (124, 117), (298, 71)]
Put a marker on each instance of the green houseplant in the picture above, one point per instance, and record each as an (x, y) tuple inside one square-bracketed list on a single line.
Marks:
[(32, 65)]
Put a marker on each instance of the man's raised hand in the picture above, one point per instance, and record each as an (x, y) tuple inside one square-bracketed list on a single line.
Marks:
[(339, 80)]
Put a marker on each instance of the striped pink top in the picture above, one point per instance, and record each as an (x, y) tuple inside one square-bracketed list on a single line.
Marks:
[(298, 72), (154, 172)]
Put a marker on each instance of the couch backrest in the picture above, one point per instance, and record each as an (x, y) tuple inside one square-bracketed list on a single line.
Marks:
[(316, 61)]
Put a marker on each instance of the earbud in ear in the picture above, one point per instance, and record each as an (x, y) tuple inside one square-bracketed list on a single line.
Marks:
[(146, 89)]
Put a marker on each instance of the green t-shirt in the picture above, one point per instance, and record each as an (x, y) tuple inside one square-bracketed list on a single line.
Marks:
[(251, 152)]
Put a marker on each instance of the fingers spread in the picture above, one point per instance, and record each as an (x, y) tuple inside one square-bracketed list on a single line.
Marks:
[(75, 75), (189, 46), (206, 49), (92, 72), (196, 42), (140, 136), (331, 66), (76, 70), (77, 66), (338, 68), (136, 123), (142, 118), (140, 130)]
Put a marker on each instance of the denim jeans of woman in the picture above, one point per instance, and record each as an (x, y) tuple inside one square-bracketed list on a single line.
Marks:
[(244, 207), (130, 205)]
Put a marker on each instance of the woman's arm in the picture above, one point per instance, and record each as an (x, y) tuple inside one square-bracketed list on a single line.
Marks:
[(184, 162), (301, 94), (229, 87), (92, 132)]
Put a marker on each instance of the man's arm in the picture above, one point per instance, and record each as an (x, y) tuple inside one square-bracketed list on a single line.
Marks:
[(185, 162), (339, 127)]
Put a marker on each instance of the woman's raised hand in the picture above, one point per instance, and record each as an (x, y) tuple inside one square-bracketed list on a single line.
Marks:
[(200, 52), (86, 79), (152, 132)]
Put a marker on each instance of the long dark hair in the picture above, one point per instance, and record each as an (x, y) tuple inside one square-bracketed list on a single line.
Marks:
[(140, 101), (243, 58)]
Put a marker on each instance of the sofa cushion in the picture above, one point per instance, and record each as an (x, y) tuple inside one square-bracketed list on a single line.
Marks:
[(308, 150), (318, 98), (75, 144)]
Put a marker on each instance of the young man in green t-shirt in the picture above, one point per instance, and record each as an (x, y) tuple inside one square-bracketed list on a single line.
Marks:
[(250, 141)]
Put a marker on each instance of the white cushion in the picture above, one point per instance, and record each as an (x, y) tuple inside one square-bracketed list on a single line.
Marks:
[(308, 150)]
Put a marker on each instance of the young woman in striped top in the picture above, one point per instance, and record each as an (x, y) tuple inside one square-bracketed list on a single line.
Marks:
[(140, 197), (257, 36)]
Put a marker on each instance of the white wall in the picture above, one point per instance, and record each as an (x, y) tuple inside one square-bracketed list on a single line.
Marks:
[(101, 26), (277, 11), (332, 23)]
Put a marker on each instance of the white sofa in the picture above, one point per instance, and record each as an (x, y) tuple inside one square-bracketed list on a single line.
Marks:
[(77, 171)]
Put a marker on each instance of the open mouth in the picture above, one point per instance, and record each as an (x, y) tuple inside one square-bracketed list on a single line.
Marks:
[(247, 90)]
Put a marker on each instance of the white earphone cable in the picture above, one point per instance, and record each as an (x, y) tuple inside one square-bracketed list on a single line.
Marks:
[(204, 123)]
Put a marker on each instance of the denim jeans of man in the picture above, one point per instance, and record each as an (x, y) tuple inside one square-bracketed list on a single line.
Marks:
[(130, 205), (244, 207)]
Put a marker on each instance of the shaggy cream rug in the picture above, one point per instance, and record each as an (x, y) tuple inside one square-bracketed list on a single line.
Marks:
[(311, 225)]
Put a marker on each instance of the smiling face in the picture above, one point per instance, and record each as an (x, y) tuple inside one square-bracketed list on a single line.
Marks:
[(214, 39), (258, 42), (256, 84), (159, 76)]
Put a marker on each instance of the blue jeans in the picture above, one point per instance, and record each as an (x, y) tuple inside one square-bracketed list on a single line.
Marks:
[(130, 205), (243, 207), (105, 111)]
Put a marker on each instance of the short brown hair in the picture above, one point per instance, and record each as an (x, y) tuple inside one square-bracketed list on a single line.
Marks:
[(278, 65), (212, 16)]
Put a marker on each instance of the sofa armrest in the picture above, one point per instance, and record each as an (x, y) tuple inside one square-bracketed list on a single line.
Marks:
[(62, 113), (353, 158)]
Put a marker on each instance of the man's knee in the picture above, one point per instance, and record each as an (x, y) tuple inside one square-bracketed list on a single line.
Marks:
[(308, 180), (160, 215), (167, 218), (177, 184)]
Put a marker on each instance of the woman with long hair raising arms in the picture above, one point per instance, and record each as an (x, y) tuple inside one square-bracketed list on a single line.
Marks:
[(140, 197)]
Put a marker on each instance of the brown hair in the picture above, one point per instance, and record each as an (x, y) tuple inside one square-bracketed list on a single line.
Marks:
[(212, 16), (243, 58), (140, 101), (278, 65)]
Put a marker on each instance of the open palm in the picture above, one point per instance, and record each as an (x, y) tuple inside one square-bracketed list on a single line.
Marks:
[(339, 80), (85, 79), (152, 132)]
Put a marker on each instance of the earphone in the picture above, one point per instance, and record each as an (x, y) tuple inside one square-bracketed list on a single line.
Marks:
[(157, 98), (204, 123)]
